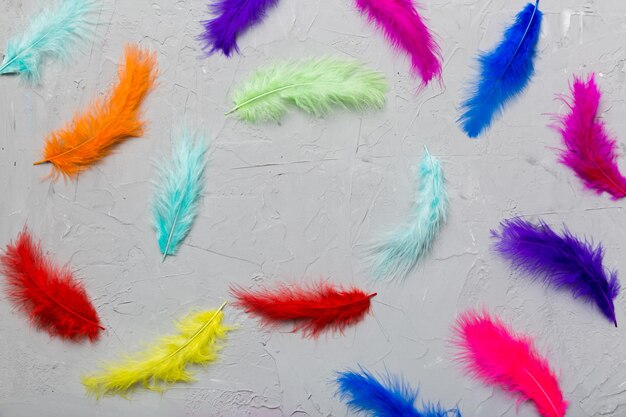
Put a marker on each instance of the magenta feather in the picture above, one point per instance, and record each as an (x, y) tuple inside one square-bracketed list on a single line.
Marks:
[(406, 30), (492, 353), (590, 151)]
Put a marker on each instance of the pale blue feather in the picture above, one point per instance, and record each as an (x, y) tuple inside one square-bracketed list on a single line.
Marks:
[(178, 190), (394, 257), (53, 34)]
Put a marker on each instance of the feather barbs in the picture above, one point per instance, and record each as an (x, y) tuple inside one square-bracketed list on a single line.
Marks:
[(53, 299), (590, 151), (165, 362), (492, 353), (406, 30), (312, 309), (315, 86), (395, 255), (51, 34), (94, 133), (504, 72), (178, 190)]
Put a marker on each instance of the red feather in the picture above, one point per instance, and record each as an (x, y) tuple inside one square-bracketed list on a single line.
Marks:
[(313, 309), (494, 354), (53, 299)]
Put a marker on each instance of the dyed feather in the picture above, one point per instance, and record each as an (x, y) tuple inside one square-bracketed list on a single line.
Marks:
[(395, 256), (314, 85), (559, 260), (504, 72), (50, 295), (406, 30), (364, 393), (95, 132), (53, 34), (313, 309), (178, 190), (589, 150), (166, 361), (495, 355), (232, 18)]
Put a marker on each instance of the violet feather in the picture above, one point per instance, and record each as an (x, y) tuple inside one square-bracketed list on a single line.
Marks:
[(560, 260), (589, 150), (232, 18)]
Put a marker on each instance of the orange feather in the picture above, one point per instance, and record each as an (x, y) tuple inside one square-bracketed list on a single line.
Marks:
[(94, 133)]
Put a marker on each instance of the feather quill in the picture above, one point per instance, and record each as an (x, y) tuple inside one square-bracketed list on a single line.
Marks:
[(165, 362), (178, 190), (504, 72), (395, 256), (314, 86), (232, 18), (313, 309), (559, 260), (52, 298), (94, 133), (391, 397), (53, 34), (492, 353), (406, 30), (589, 149)]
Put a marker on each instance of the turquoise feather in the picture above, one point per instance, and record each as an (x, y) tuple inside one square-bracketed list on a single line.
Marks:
[(178, 190), (394, 257), (53, 34)]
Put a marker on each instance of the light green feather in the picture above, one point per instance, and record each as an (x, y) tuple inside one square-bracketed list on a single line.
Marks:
[(316, 86), (397, 255)]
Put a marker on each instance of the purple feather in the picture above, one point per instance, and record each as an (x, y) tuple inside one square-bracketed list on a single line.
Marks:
[(232, 18), (559, 260)]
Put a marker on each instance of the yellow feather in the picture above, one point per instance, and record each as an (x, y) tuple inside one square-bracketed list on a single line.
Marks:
[(164, 362)]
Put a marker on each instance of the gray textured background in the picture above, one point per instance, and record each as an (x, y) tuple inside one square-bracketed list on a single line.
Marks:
[(298, 200)]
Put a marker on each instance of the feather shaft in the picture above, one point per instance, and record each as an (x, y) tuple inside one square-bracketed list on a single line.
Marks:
[(504, 72), (315, 86), (94, 133), (561, 260), (492, 353), (165, 362), (178, 191), (312, 309), (53, 299), (52, 34), (398, 253), (590, 151)]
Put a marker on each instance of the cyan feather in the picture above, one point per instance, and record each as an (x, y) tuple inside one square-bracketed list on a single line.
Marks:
[(314, 85), (395, 256), (504, 72), (178, 189), (364, 393), (53, 34)]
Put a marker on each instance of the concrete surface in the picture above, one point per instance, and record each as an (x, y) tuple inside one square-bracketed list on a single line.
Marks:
[(297, 200)]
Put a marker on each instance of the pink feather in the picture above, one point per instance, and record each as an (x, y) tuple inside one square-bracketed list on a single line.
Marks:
[(589, 151), (492, 353), (406, 30)]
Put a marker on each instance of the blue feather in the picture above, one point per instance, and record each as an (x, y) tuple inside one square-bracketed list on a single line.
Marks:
[(395, 256), (52, 34), (364, 393), (504, 72), (178, 191)]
